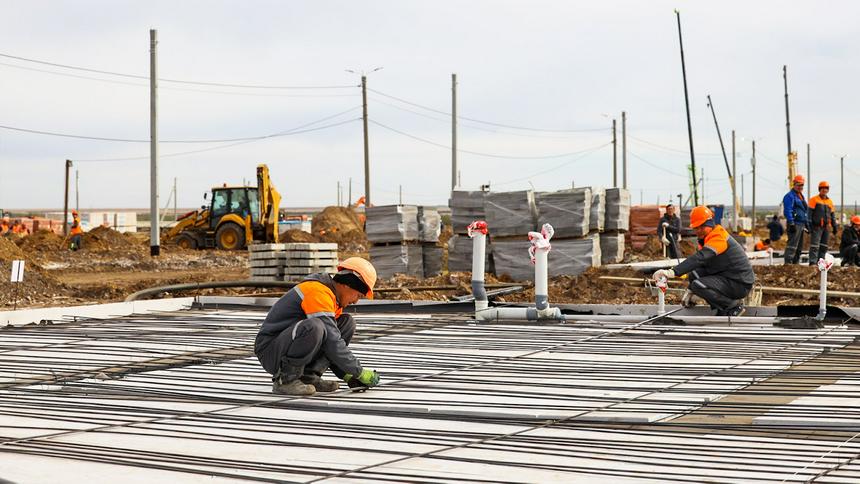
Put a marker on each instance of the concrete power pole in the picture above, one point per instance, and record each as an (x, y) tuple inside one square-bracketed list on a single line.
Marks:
[(614, 157), (734, 188), (154, 236), (841, 187), (66, 200), (77, 191), (808, 173), (624, 150), (366, 147), (453, 131), (752, 161), (175, 204)]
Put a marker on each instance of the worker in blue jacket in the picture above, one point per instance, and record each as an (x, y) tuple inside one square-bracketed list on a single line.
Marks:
[(796, 210)]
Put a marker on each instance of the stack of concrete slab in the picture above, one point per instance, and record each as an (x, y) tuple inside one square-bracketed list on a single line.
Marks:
[(511, 213), (267, 262), (429, 224), (432, 259), (617, 213), (466, 207), (392, 223), (568, 211), (511, 258), (397, 259), (574, 256), (460, 254), (611, 247), (597, 219), (302, 259)]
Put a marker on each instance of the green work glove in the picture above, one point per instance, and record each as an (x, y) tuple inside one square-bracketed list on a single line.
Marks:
[(366, 378)]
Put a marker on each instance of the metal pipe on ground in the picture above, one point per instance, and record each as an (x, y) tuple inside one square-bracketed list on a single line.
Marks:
[(767, 289)]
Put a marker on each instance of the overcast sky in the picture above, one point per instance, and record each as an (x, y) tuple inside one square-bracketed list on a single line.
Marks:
[(562, 68)]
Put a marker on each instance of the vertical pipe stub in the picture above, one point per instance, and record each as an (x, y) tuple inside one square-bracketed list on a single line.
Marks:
[(539, 251), (824, 265), (477, 230)]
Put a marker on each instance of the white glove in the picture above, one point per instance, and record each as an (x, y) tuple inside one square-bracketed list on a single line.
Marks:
[(664, 274), (664, 241), (665, 224)]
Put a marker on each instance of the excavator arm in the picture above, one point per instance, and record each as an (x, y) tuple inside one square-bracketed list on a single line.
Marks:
[(270, 202)]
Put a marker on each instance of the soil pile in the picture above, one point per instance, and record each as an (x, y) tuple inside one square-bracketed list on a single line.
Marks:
[(296, 235), (37, 286), (102, 239), (335, 219), (41, 241)]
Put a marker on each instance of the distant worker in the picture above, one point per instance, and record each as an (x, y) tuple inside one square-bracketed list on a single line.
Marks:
[(796, 219), (775, 228), (19, 228), (5, 226), (305, 332), (669, 231), (762, 244), (76, 231), (850, 243), (720, 272), (822, 219)]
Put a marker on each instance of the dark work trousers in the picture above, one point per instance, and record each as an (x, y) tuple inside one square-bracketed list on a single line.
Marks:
[(818, 239), (721, 293), (671, 249), (297, 351), (849, 256), (794, 247)]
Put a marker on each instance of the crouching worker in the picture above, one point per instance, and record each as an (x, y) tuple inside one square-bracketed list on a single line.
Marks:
[(305, 332), (720, 272), (850, 243)]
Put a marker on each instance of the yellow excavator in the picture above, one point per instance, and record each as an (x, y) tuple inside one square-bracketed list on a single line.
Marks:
[(234, 218)]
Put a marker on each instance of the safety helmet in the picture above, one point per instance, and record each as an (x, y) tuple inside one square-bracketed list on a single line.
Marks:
[(74, 212), (855, 220), (363, 269), (699, 215), (823, 184), (799, 179)]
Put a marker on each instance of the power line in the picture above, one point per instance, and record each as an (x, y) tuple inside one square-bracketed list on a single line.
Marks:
[(178, 81), (555, 167), (490, 123), (666, 148), (654, 165), (477, 153)]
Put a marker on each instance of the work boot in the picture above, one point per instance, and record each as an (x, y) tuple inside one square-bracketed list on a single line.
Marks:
[(732, 312), (294, 387), (320, 385)]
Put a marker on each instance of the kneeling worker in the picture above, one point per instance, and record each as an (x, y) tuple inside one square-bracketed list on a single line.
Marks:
[(720, 272), (850, 243), (305, 332)]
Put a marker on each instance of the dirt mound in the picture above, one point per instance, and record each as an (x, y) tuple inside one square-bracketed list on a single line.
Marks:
[(105, 239), (335, 219), (37, 285), (296, 235), (41, 241), (352, 242)]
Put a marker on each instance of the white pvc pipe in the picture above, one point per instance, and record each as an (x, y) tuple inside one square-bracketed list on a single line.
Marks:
[(541, 280), (661, 301), (822, 296), (479, 247)]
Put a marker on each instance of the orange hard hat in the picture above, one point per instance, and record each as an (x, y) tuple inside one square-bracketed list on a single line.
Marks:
[(855, 220), (823, 184), (700, 215), (799, 179), (74, 212), (363, 269)]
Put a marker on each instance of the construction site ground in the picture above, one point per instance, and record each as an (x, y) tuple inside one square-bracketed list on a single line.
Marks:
[(113, 265)]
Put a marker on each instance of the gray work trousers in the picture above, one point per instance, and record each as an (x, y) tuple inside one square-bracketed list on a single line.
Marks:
[(795, 246), (818, 239), (297, 351), (720, 292)]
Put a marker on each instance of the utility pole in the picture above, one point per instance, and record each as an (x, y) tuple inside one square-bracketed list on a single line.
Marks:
[(734, 189), (752, 161), (791, 156), (154, 236), (338, 193), (66, 200), (743, 189), (453, 131), (808, 173), (624, 150), (349, 198), (702, 177), (687, 102), (77, 191), (366, 147), (614, 157), (841, 187), (175, 204), (400, 189)]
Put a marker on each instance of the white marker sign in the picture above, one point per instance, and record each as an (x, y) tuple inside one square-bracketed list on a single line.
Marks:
[(17, 271)]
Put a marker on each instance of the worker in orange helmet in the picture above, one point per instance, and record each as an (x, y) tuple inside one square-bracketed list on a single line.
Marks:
[(796, 219), (720, 272), (76, 231), (850, 243), (5, 226), (822, 219), (763, 244), (306, 332)]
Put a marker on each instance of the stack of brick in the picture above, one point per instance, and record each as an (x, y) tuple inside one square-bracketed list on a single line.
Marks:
[(510, 217), (466, 207), (597, 221), (576, 216), (643, 223), (290, 262), (616, 225), (460, 254), (394, 232), (429, 230)]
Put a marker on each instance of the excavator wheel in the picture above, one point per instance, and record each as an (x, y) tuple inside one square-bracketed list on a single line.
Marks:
[(230, 236), (186, 241)]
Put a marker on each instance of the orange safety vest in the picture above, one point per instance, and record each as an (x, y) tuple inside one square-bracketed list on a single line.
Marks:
[(76, 226), (760, 245)]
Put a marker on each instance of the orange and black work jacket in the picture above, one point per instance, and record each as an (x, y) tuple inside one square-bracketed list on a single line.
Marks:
[(719, 255), (76, 226), (314, 297), (821, 212), (760, 245)]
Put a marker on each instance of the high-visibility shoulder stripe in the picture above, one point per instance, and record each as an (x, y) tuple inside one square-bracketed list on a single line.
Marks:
[(299, 292), (317, 298), (321, 313)]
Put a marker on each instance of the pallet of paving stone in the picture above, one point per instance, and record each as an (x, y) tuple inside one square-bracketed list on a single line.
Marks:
[(460, 254), (568, 211), (617, 212), (391, 223), (466, 207), (574, 256), (511, 213), (431, 255), (266, 262), (611, 247), (397, 259), (597, 218), (511, 258), (429, 224)]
